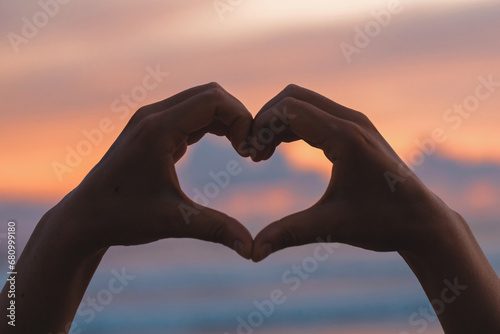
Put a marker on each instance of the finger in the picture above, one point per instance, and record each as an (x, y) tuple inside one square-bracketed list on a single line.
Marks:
[(210, 225), (171, 101), (214, 111), (291, 119), (301, 228), (215, 128), (317, 100)]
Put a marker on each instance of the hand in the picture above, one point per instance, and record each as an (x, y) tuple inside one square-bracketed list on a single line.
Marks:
[(373, 200), (132, 196)]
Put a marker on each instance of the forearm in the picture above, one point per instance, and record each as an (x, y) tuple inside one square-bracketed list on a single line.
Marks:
[(457, 278), (53, 273)]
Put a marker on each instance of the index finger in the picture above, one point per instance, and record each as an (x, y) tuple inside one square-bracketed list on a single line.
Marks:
[(212, 110), (301, 121), (317, 100)]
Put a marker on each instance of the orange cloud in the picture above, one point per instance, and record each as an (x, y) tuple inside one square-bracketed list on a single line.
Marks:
[(404, 81), (482, 197)]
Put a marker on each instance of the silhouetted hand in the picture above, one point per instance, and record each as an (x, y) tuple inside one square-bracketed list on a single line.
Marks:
[(373, 200), (132, 196)]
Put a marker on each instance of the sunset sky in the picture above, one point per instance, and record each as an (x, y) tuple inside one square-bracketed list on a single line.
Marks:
[(72, 72)]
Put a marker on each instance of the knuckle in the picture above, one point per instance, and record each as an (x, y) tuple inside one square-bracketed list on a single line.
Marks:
[(258, 124), (214, 92), (331, 127), (140, 114), (353, 130), (261, 121), (291, 89), (363, 119), (287, 238), (361, 116), (217, 232), (288, 101), (357, 134), (213, 84), (147, 126)]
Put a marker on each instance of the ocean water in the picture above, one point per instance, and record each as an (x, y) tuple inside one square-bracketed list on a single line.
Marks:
[(350, 292), (336, 296), (238, 299), (188, 286)]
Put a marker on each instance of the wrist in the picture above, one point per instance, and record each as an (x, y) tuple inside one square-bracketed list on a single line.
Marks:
[(436, 227), (73, 229), (443, 240), (450, 261)]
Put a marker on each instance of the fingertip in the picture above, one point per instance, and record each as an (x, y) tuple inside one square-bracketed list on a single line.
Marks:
[(243, 148), (287, 232), (269, 153), (215, 226), (240, 131), (260, 152), (262, 252), (263, 242), (244, 250), (254, 156), (241, 240)]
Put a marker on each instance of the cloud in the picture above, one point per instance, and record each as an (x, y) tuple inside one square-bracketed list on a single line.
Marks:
[(472, 189), (426, 60), (276, 188), (96, 50), (461, 32), (257, 193)]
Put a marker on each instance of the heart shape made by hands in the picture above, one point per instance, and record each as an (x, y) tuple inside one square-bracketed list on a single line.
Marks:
[(136, 180), (132, 196)]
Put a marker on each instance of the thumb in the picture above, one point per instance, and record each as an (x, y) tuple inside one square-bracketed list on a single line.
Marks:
[(305, 227), (211, 225)]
